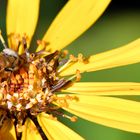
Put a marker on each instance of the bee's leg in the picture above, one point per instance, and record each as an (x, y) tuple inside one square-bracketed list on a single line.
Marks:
[(24, 42), (62, 83)]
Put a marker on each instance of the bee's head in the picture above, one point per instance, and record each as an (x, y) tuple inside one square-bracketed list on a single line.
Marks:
[(10, 52)]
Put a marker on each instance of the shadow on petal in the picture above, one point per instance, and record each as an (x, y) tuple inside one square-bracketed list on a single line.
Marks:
[(7, 131)]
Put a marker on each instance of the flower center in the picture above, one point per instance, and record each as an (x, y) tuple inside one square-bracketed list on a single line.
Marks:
[(29, 83)]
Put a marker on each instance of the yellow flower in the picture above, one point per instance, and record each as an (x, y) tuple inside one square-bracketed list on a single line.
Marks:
[(29, 101)]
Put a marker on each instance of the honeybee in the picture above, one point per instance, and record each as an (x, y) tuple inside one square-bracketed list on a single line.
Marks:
[(9, 60)]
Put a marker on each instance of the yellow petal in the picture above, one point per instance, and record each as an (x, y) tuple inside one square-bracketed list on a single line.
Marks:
[(22, 16), (113, 112), (125, 55), (55, 130), (75, 18), (7, 132), (30, 132), (105, 88)]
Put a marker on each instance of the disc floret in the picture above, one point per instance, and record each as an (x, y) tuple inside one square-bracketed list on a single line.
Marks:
[(29, 83)]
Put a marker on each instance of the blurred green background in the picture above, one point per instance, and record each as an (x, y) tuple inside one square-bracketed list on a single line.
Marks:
[(119, 25)]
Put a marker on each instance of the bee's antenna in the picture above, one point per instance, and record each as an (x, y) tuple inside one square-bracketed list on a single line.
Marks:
[(2, 40)]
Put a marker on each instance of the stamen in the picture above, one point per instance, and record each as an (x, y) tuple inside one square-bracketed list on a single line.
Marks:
[(42, 43), (77, 76), (64, 53), (15, 42), (64, 66), (72, 59), (73, 118), (2, 40), (83, 59), (57, 113), (62, 62)]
